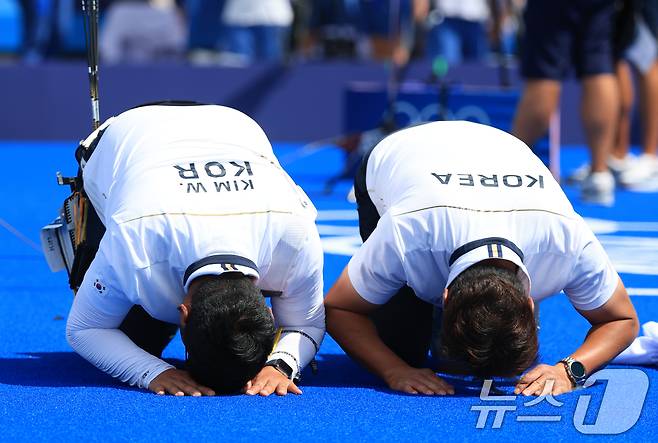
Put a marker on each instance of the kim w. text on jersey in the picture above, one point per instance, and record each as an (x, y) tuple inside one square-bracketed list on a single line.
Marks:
[(228, 172)]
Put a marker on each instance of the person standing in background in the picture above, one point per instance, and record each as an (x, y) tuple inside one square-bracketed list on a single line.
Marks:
[(390, 27), (143, 31), (639, 56), (257, 29), (332, 29), (561, 35), (205, 30), (459, 30)]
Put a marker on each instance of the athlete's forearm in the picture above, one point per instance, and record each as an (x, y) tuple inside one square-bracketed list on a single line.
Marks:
[(298, 345), (111, 351), (605, 341), (614, 326), (301, 321), (357, 335)]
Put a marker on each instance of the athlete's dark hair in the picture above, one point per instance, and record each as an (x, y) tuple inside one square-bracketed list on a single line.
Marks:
[(229, 332), (488, 322)]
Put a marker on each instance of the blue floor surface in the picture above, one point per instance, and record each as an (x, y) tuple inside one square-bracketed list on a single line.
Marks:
[(48, 393)]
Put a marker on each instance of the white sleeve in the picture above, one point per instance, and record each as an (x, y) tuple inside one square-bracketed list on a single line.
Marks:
[(593, 279), (299, 311), (376, 270), (98, 309)]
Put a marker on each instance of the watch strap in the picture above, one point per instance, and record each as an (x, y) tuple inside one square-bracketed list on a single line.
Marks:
[(283, 367), (567, 362)]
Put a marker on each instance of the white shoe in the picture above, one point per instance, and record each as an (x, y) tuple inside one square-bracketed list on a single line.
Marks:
[(644, 169), (619, 165), (599, 188), (643, 350), (579, 174), (616, 165)]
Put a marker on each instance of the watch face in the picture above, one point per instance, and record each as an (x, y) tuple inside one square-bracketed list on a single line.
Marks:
[(577, 369)]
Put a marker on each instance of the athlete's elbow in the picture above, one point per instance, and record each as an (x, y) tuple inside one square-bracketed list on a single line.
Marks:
[(72, 334), (633, 327), (332, 320), (331, 307), (628, 330)]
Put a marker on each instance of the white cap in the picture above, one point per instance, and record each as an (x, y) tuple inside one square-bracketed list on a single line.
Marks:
[(493, 247), (219, 264)]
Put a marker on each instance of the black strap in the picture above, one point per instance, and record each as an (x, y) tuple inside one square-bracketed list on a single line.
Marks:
[(84, 152), (489, 241), (224, 260)]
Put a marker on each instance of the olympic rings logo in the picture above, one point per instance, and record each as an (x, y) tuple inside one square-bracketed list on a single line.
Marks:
[(409, 114)]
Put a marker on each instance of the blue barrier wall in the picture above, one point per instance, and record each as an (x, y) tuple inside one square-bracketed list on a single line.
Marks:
[(301, 102)]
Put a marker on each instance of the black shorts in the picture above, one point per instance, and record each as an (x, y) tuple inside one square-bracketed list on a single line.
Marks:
[(649, 12), (565, 35), (368, 215)]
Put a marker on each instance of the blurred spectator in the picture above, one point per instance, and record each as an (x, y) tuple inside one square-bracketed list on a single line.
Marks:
[(467, 30), (205, 29), (299, 30), (41, 30), (390, 27), (561, 35), (257, 29), (333, 29), (31, 47), (640, 55), (54, 28), (217, 30), (140, 31), (506, 26), (68, 29), (458, 30)]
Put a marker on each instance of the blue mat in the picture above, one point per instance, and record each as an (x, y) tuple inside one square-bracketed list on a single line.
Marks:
[(48, 393)]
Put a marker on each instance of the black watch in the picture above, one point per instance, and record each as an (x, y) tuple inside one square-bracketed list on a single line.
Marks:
[(575, 370), (284, 368)]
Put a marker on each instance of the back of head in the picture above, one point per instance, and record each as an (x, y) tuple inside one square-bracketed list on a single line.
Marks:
[(488, 322), (229, 332)]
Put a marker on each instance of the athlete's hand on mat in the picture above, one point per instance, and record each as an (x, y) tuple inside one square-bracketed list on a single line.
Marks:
[(178, 382), (417, 381), (269, 380), (544, 380)]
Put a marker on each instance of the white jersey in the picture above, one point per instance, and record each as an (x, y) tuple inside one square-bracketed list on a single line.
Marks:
[(451, 194), (185, 191)]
